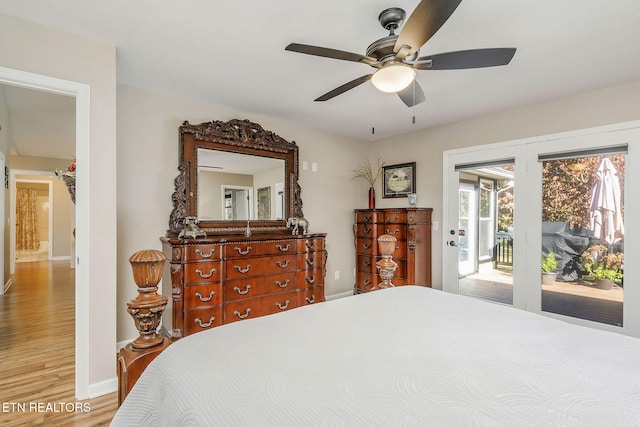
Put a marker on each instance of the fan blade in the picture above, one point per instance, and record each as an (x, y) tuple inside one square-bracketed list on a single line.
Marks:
[(426, 19), (345, 87), (412, 94), (330, 53), (462, 59)]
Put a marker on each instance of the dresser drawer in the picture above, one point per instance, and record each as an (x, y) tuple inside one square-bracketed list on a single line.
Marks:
[(366, 263), (309, 278), (400, 252), (202, 318), (399, 231), (203, 252), (311, 260), (419, 217), (258, 286), (366, 281), (369, 217), (367, 246), (370, 231), (199, 272), (310, 244), (395, 218), (202, 295), (310, 296), (256, 307), (250, 249), (249, 267)]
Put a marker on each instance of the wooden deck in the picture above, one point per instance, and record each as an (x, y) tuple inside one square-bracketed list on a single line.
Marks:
[(575, 299), (37, 348)]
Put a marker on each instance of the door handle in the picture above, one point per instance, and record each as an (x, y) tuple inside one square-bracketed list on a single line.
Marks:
[(452, 243)]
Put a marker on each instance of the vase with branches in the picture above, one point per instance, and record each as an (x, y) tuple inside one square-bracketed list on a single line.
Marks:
[(370, 173)]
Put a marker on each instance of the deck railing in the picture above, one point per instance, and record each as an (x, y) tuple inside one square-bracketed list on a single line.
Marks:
[(503, 250)]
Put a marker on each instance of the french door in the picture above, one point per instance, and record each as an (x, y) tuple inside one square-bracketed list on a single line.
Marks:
[(546, 180), (481, 222)]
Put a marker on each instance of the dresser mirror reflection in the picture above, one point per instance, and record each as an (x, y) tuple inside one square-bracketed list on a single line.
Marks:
[(233, 172), (234, 186)]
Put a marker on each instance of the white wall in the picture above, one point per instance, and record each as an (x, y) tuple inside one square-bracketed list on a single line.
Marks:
[(590, 109), (147, 165), (41, 50)]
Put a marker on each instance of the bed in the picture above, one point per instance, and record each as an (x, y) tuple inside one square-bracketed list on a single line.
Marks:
[(401, 356)]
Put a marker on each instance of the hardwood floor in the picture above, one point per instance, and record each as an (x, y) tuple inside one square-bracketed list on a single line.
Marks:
[(37, 352)]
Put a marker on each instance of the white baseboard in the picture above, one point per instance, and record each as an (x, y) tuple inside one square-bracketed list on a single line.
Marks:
[(8, 284), (338, 296), (61, 258), (103, 387)]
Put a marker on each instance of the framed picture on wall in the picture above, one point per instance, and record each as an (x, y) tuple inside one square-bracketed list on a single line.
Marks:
[(398, 180)]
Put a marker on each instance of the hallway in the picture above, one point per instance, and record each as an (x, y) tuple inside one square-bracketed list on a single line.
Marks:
[(37, 351)]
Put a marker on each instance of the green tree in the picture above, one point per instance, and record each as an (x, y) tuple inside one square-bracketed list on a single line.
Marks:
[(566, 188)]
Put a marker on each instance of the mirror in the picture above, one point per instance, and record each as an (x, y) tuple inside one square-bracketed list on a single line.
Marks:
[(233, 172), (233, 186)]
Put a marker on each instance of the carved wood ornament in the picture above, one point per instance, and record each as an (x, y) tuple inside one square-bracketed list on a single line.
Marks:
[(238, 136)]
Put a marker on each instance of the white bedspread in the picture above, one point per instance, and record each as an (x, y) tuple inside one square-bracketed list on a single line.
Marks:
[(407, 356)]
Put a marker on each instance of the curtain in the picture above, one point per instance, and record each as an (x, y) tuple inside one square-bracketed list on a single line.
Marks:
[(26, 220)]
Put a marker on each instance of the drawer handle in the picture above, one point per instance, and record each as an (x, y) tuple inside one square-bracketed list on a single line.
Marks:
[(366, 230), (242, 270), (367, 263), (367, 282), (311, 300), (283, 307), (281, 265), (203, 275), (209, 255), (397, 217), (240, 291), (311, 261), (282, 285), (366, 245), (366, 218), (411, 218), (242, 316), (205, 299), (392, 232), (311, 279), (310, 245), (283, 249), (241, 252), (205, 325)]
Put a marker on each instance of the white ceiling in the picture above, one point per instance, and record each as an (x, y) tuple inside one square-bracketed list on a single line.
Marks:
[(232, 53)]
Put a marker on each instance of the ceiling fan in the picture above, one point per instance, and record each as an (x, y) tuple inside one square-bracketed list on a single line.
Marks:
[(396, 59)]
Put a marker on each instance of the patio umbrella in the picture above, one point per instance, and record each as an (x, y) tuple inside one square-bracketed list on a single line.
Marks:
[(606, 218)]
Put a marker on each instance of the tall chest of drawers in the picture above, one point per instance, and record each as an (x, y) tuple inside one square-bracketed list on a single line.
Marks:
[(214, 281), (412, 228)]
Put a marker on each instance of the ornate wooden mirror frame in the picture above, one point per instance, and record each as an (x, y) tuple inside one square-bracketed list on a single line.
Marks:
[(236, 136)]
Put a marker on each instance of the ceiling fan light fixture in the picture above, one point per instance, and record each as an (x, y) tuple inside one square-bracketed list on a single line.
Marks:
[(393, 77)]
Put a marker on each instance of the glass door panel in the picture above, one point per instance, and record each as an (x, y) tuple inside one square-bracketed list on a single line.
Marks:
[(582, 254), (485, 234), (467, 230)]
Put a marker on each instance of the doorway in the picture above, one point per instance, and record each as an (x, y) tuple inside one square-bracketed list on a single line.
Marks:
[(33, 224), (81, 93), (485, 229)]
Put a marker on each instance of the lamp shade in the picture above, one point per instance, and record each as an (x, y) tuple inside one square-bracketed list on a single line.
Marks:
[(393, 77)]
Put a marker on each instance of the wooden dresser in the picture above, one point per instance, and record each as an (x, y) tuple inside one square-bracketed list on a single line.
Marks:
[(218, 280), (412, 228)]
